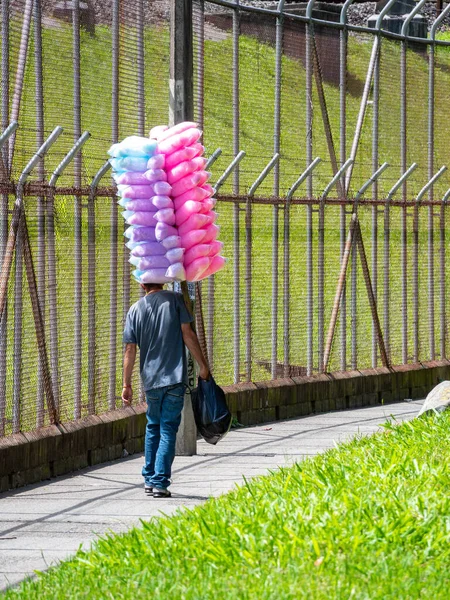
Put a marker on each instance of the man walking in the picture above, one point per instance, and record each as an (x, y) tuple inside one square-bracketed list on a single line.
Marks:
[(159, 323)]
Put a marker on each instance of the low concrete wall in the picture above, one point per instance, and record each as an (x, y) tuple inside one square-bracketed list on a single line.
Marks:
[(30, 457)]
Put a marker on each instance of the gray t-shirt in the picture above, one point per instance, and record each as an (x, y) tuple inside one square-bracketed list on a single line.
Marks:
[(154, 324)]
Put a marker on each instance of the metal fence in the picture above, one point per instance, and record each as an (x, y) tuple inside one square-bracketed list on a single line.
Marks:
[(305, 109)]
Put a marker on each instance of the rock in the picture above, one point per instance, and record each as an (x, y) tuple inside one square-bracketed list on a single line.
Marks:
[(438, 399)]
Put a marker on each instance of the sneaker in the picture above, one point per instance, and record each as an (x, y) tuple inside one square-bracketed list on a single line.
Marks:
[(161, 493), (148, 490)]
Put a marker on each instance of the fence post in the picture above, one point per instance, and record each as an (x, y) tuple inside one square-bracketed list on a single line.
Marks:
[(236, 206), (343, 51), (431, 125), (181, 108)]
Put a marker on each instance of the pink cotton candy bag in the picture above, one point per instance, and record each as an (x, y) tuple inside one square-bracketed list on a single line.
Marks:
[(195, 221), (193, 180), (188, 153), (189, 208), (191, 238), (175, 130), (176, 142), (198, 266), (197, 194), (185, 168)]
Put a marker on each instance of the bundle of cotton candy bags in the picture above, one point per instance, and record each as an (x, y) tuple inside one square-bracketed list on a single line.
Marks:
[(154, 243), (168, 205)]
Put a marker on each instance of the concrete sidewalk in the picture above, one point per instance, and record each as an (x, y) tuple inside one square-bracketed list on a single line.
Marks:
[(44, 523)]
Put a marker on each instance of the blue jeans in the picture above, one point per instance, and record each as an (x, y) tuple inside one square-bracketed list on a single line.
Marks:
[(164, 406)]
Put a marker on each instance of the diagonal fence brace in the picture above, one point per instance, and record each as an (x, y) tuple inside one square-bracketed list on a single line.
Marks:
[(354, 237), (19, 226)]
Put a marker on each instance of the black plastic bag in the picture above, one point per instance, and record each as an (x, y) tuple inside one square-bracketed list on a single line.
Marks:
[(212, 417)]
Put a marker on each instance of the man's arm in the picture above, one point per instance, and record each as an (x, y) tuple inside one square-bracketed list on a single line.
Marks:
[(128, 364), (191, 340)]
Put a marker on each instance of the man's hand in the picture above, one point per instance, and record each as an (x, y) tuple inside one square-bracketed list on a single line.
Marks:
[(204, 373), (128, 363), (127, 395), (191, 341)]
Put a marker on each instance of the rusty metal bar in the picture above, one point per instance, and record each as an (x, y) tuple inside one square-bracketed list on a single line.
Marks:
[(324, 111), (372, 301), (39, 322), (340, 287), (16, 241), (321, 261), (354, 280)]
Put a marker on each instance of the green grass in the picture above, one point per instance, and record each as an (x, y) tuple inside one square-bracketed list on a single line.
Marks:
[(257, 77), (368, 519)]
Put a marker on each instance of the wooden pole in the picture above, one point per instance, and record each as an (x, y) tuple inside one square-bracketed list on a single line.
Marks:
[(372, 301), (354, 237), (38, 320), (339, 290), (181, 108)]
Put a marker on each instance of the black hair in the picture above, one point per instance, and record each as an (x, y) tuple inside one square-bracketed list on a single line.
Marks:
[(152, 286)]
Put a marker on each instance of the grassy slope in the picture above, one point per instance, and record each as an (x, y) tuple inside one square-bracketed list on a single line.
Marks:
[(368, 519), (256, 113)]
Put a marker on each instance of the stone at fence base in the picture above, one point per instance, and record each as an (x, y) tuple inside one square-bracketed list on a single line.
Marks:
[(138, 421), (371, 399), (340, 403), (43, 445), (322, 405), (34, 475), (99, 455), (4, 483), (14, 451), (130, 446), (115, 451), (64, 465), (270, 414), (419, 392), (354, 402)]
